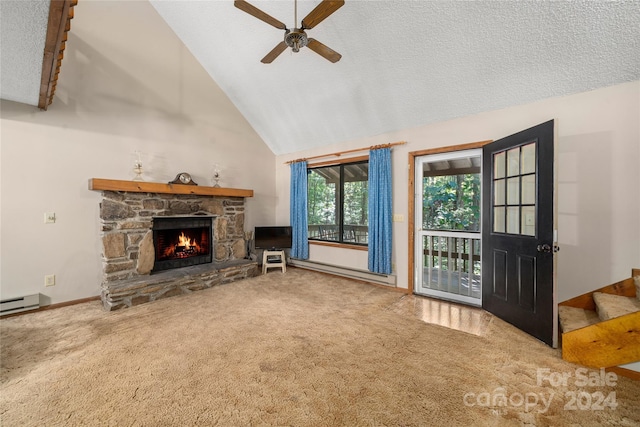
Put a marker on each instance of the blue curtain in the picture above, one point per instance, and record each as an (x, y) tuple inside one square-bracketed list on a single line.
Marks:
[(298, 210), (380, 216)]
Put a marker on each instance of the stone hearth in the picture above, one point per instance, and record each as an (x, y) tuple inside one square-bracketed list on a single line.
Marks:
[(127, 293), (127, 239)]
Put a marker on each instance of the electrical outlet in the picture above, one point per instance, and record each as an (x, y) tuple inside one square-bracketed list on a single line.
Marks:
[(49, 217), (50, 280), (398, 218)]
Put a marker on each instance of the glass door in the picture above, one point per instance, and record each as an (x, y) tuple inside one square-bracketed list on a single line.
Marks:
[(448, 206)]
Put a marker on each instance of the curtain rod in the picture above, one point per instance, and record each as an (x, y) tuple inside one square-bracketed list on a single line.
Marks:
[(339, 153)]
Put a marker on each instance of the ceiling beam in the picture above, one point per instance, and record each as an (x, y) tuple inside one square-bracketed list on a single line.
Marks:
[(60, 14)]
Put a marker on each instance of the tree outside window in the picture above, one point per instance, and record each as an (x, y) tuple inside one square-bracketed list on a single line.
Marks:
[(452, 202)]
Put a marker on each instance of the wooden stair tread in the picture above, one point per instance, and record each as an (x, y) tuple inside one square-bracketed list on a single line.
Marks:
[(600, 329), (572, 318), (609, 306)]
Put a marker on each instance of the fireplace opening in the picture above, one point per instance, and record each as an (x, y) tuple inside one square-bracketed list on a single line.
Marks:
[(181, 242)]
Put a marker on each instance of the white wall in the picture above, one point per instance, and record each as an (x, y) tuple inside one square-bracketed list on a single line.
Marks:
[(127, 83), (598, 153)]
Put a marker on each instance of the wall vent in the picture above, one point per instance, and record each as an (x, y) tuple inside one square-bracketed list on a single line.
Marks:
[(367, 276), (16, 305)]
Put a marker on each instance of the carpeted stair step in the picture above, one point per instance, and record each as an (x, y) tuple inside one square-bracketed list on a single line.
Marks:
[(572, 318), (610, 306)]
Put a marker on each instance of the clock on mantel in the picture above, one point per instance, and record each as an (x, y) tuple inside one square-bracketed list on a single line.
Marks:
[(183, 178)]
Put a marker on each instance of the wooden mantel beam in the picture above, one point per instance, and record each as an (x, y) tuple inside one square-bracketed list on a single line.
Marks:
[(100, 184)]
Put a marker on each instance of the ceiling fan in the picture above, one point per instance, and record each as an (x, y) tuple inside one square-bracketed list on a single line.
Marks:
[(296, 38)]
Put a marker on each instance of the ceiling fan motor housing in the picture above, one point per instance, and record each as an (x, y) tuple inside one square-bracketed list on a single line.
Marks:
[(296, 39)]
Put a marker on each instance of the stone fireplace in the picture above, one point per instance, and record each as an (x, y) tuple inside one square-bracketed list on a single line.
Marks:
[(138, 268)]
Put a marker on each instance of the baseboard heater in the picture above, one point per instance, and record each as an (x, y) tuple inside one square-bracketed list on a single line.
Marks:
[(16, 305), (367, 276)]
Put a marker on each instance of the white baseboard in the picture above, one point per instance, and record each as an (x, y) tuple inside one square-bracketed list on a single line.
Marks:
[(381, 279), (16, 305)]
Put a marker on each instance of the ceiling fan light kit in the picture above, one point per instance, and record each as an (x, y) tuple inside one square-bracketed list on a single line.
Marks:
[(296, 38)]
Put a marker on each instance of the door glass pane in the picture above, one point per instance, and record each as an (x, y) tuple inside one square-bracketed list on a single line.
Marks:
[(529, 190), (499, 165), (529, 158), (529, 220), (513, 220), (513, 191), (451, 201), (498, 219), (513, 162), (514, 185), (499, 192)]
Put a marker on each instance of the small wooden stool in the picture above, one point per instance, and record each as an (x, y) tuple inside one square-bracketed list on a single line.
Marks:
[(266, 264)]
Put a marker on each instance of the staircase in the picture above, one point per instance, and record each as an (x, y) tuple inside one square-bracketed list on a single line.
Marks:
[(601, 329)]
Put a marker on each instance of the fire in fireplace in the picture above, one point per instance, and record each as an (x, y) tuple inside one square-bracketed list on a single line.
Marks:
[(181, 242)]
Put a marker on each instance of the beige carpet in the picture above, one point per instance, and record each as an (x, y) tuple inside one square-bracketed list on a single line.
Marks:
[(296, 349)]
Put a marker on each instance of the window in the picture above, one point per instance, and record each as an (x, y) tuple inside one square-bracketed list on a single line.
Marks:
[(514, 189), (338, 203)]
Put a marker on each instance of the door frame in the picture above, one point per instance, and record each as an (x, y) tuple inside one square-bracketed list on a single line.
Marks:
[(412, 197), (420, 233)]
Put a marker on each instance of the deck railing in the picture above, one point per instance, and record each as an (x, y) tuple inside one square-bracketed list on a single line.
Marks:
[(352, 233), (451, 262)]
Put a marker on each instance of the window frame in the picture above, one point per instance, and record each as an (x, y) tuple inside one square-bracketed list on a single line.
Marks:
[(340, 211)]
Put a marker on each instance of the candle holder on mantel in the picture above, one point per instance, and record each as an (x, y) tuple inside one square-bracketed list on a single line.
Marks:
[(215, 179), (137, 168)]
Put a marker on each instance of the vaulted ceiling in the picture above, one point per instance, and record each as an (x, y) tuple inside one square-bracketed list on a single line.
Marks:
[(404, 63)]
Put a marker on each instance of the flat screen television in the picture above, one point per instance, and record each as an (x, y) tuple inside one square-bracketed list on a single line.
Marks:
[(273, 237)]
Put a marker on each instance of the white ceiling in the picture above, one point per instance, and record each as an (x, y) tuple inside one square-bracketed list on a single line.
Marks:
[(404, 63), (23, 29)]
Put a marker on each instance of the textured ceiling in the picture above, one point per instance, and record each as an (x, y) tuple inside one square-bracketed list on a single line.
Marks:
[(23, 29), (404, 63)]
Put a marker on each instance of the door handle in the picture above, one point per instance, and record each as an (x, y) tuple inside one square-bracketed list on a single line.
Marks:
[(544, 248), (548, 248)]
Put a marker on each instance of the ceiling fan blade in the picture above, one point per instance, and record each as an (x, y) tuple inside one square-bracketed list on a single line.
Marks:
[(280, 47), (322, 11), (324, 51), (254, 11)]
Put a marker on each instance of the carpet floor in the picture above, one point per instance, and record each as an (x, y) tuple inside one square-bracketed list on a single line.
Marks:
[(294, 349)]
